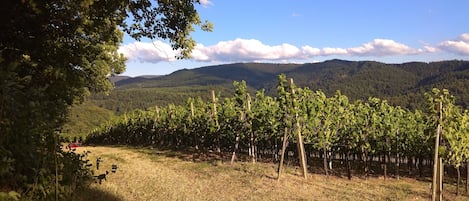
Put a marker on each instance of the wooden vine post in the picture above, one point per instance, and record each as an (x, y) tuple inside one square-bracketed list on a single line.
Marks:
[(233, 156), (191, 121), (216, 124), (156, 121), (282, 153), (196, 140), (437, 193), (192, 109), (286, 133), (398, 157), (300, 145), (252, 145), (386, 157), (241, 96)]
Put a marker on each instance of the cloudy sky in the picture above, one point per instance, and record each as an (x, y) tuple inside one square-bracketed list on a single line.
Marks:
[(305, 31)]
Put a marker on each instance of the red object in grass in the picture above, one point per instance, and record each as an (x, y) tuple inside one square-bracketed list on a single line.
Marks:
[(75, 145)]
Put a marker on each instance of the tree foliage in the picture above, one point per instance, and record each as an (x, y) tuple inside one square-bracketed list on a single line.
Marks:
[(53, 54)]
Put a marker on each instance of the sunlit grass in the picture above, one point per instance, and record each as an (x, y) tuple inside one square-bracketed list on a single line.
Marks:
[(152, 174)]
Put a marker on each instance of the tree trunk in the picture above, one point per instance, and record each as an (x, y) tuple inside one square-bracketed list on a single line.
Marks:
[(385, 164), (325, 159), (252, 148), (409, 165), (420, 167), (459, 180), (440, 182), (365, 160), (398, 160), (56, 168), (275, 151), (467, 176), (347, 163)]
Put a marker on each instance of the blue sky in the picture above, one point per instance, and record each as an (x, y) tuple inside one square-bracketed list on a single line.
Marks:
[(305, 31)]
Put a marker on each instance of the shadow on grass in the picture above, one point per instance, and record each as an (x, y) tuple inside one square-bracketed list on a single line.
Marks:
[(315, 165), (187, 154), (90, 193)]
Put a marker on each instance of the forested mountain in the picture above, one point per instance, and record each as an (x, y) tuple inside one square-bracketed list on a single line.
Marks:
[(400, 84)]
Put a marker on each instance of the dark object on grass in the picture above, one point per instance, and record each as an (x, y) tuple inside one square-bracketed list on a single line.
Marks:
[(98, 160), (102, 177), (114, 168)]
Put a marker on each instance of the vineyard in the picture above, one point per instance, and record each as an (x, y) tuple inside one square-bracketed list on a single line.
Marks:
[(366, 137)]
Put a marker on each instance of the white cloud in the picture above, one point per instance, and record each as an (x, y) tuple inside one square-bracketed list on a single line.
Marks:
[(459, 46), (206, 3), (309, 51), (383, 47), (198, 53), (148, 52), (327, 51), (245, 50), (248, 50), (255, 50), (429, 49), (464, 37)]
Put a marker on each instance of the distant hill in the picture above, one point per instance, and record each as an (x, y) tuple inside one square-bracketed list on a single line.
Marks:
[(400, 84), (118, 78), (122, 80), (255, 74)]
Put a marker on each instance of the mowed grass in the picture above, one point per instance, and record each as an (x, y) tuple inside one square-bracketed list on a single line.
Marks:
[(152, 174)]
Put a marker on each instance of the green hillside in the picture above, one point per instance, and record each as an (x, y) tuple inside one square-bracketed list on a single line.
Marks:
[(123, 100), (84, 117), (400, 84)]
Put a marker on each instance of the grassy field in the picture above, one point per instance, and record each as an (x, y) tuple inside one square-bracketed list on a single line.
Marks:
[(151, 174)]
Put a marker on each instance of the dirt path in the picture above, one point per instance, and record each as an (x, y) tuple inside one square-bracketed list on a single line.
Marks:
[(149, 174)]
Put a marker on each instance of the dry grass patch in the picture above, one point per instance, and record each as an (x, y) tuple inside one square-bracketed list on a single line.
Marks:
[(152, 174)]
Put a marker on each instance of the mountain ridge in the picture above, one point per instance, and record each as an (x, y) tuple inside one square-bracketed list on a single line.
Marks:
[(356, 79)]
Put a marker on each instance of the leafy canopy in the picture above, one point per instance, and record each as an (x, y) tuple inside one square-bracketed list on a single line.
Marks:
[(53, 53)]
